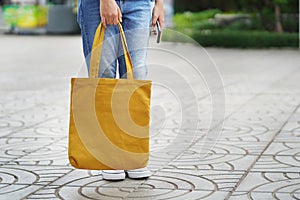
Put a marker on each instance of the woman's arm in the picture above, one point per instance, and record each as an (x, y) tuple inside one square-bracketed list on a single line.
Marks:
[(158, 13), (110, 12)]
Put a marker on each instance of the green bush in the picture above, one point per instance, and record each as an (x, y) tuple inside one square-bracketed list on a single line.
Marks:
[(236, 39), (247, 39), (205, 24), (290, 23), (189, 20), (239, 25), (248, 32)]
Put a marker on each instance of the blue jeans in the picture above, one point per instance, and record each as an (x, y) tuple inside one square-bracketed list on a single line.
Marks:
[(136, 21)]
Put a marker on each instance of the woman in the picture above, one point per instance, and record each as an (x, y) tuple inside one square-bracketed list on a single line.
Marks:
[(136, 16)]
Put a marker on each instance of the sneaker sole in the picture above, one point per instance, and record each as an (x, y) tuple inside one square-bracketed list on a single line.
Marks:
[(113, 177), (138, 175)]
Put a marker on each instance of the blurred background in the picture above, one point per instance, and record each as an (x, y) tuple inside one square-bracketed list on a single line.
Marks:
[(243, 23), (230, 23), (39, 16)]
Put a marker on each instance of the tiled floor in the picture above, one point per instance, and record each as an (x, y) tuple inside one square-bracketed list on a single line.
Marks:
[(231, 133)]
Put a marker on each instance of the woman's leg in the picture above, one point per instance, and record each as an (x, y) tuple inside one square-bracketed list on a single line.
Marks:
[(136, 23), (89, 19)]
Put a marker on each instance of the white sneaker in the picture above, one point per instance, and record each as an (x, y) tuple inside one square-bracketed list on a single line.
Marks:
[(138, 173), (113, 175)]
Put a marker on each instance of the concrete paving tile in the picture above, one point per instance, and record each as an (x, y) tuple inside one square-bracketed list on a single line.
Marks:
[(6, 159), (216, 195), (40, 131), (35, 175), (177, 179), (280, 156), (7, 125), (39, 114), (18, 147), (54, 128), (157, 134), (239, 132), (162, 154), (93, 178), (215, 162), (296, 194), (229, 155), (168, 194), (261, 113), (19, 176), (242, 88), (15, 191), (78, 177), (89, 184), (47, 192), (284, 148), (168, 138), (20, 121), (55, 154), (279, 100), (255, 126), (207, 147), (269, 185), (197, 110), (173, 183), (253, 195), (171, 122), (34, 150), (259, 109), (286, 163), (83, 193), (295, 116), (288, 136), (293, 125), (208, 180), (12, 101), (186, 116), (268, 120)]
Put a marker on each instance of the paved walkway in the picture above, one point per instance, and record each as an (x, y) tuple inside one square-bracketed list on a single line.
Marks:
[(256, 156)]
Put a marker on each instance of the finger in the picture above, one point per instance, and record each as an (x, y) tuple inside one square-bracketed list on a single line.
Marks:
[(103, 22), (153, 30), (154, 19), (115, 21), (161, 22), (110, 21), (119, 15)]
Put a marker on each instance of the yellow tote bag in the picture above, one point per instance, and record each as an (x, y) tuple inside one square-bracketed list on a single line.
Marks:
[(109, 118)]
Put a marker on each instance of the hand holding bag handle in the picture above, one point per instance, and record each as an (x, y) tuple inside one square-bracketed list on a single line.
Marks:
[(97, 51)]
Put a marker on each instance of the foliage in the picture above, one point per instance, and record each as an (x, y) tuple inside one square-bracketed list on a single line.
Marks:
[(247, 39), (214, 28), (269, 11), (238, 39), (287, 6), (190, 20)]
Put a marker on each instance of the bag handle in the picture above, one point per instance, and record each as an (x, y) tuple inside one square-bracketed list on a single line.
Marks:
[(97, 50)]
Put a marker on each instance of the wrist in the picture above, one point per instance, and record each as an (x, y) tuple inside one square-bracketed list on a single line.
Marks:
[(159, 1)]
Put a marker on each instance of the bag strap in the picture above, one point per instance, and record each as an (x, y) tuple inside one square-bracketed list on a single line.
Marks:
[(97, 50)]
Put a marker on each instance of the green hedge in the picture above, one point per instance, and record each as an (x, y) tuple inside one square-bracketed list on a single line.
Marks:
[(247, 39), (236, 39), (189, 20)]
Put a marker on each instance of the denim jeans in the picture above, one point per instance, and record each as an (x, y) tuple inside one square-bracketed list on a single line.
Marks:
[(136, 19)]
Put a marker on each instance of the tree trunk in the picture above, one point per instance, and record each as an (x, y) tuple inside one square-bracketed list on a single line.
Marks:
[(278, 23)]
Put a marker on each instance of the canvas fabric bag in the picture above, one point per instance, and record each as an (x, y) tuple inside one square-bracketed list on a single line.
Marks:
[(109, 118)]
